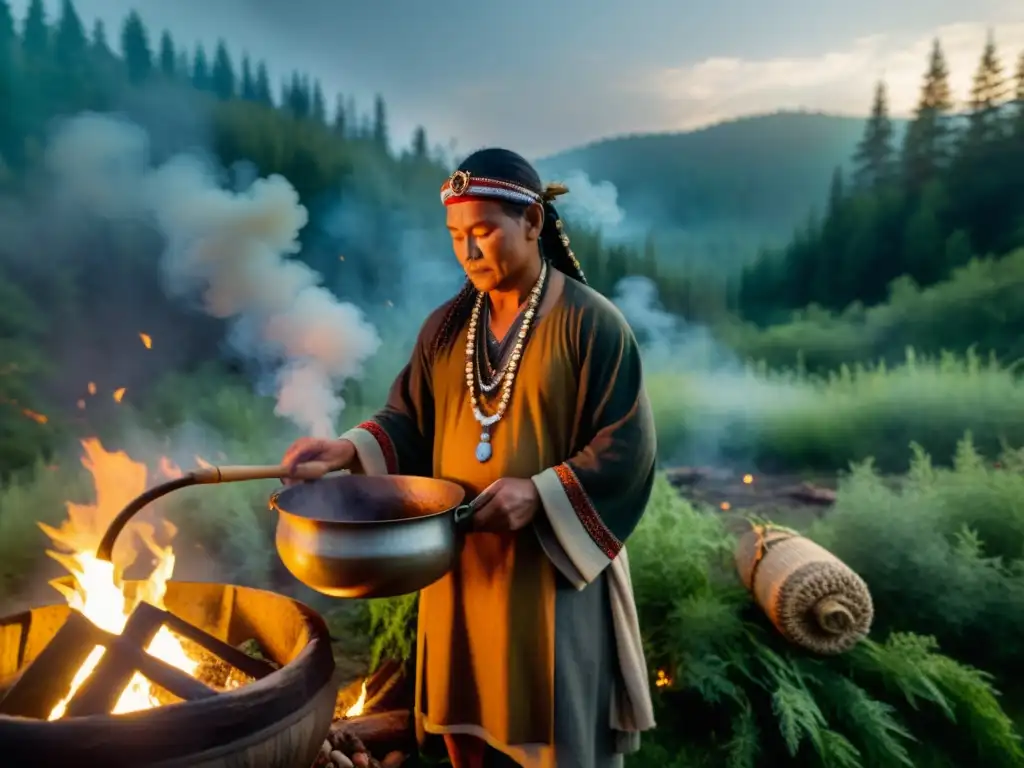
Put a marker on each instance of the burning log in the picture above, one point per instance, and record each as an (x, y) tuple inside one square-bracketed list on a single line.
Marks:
[(354, 740)]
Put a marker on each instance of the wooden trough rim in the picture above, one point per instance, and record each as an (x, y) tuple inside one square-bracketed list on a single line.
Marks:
[(182, 728)]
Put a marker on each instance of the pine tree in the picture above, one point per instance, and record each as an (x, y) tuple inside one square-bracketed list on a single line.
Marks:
[(295, 96), (223, 77), (318, 109), (419, 143), (248, 87), (138, 57), (98, 40), (200, 69), (263, 94), (182, 68), (873, 161), (168, 56), (926, 145), (380, 123), (35, 35), (1019, 97), (340, 124), (988, 93), (649, 260), (70, 43), (7, 34)]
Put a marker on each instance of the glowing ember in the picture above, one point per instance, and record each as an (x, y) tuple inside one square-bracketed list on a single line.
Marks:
[(118, 394), (662, 680), (81, 404), (36, 417), (147, 340), (748, 479), (725, 506), (98, 588), (357, 709), (92, 387)]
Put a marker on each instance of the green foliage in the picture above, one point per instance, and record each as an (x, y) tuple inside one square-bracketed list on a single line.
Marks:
[(980, 304), (795, 420)]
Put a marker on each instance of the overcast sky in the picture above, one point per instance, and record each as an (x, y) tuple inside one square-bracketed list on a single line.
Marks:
[(545, 75)]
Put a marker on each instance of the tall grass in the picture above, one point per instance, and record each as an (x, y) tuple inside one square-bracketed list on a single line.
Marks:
[(792, 420)]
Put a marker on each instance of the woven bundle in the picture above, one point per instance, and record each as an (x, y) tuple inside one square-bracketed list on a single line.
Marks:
[(811, 597)]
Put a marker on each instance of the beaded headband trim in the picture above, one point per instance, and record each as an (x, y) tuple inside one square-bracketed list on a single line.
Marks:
[(460, 187)]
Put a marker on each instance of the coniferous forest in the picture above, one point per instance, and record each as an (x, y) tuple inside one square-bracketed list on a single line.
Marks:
[(876, 354)]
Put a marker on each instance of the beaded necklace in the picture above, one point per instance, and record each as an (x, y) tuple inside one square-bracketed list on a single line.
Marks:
[(484, 450)]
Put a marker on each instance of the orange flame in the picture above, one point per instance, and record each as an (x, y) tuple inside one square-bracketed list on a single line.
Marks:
[(748, 479), (147, 340), (98, 589), (725, 506), (662, 680), (92, 387), (118, 394), (357, 709)]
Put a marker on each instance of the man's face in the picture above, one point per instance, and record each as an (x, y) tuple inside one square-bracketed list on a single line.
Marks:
[(492, 246)]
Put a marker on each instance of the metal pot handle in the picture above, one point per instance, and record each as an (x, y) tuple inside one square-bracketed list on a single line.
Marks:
[(463, 517)]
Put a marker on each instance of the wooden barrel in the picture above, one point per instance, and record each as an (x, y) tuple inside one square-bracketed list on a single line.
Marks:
[(279, 721), (811, 597)]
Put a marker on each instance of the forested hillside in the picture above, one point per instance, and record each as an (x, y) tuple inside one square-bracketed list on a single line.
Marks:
[(919, 209), (728, 187)]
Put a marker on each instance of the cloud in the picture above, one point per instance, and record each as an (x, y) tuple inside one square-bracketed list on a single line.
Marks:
[(840, 81)]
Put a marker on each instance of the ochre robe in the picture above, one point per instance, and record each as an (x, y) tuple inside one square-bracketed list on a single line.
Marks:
[(531, 642)]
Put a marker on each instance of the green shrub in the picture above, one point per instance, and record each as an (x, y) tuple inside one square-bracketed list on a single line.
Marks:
[(943, 554), (741, 696)]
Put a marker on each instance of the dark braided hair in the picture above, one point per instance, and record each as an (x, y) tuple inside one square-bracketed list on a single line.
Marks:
[(505, 165)]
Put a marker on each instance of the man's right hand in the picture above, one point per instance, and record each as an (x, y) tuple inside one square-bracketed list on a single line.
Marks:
[(339, 454)]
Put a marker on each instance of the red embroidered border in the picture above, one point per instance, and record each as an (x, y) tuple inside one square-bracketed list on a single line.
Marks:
[(585, 511), (386, 446)]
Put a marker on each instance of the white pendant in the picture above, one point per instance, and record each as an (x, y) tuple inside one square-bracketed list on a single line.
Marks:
[(483, 452)]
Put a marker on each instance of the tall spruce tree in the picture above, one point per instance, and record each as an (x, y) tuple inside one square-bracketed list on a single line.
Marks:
[(247, 88), (7, 34), (318, 109), (70, 43), (419, 143), (98, 41), (340, 122), (1019, 98), (138, 57), (35, 34), (380, 123), (989, 92), (926, 145), (873, 160), (168, 56), (223, 76), (263, 94), (200, 69)]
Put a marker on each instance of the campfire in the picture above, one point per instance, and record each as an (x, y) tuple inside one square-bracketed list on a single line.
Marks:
[(167, 672)]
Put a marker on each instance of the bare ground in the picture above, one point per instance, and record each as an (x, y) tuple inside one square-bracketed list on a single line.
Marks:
[(791, 500)]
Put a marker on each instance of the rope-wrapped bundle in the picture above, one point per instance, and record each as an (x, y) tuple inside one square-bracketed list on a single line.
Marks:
[(811, 597)]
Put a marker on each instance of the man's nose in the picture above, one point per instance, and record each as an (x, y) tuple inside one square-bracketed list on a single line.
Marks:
[(473, 252)]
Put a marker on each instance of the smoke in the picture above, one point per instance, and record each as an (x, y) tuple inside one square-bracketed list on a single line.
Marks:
[(719, 399), (230, 249), (595, 206)]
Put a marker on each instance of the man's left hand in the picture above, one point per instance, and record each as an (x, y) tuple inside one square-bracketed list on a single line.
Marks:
[(507, 504)]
